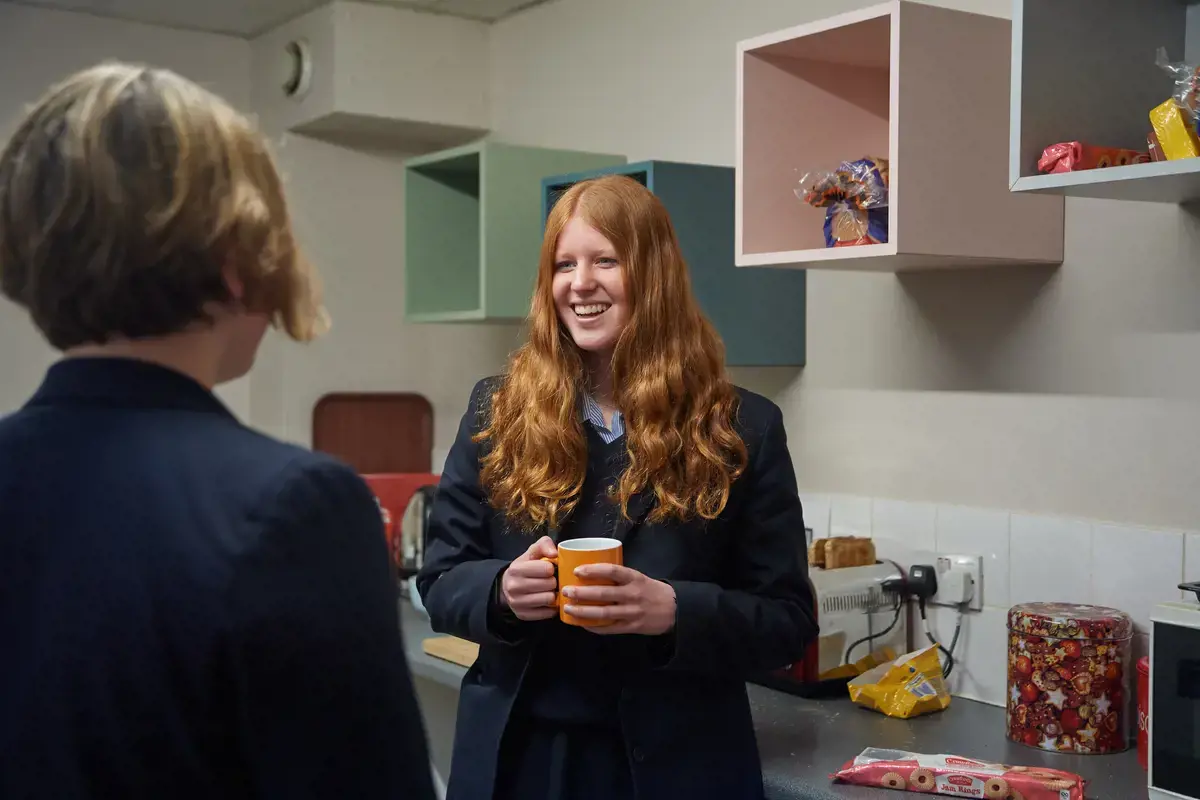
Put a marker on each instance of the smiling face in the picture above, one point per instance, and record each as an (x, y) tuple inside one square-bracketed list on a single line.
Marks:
[(589, 289)]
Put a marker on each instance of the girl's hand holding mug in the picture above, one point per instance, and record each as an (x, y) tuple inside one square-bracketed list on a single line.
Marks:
[(528, 586), (635, 603), (626, 601)]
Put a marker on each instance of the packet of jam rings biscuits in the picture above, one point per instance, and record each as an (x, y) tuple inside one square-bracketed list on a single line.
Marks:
[(954, 776)]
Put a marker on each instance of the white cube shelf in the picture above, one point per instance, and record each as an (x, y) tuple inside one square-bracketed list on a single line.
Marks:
[(1084, 70), (925, 87)]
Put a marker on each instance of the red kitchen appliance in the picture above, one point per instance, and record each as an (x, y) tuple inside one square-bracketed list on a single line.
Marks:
[(395, 493), (1143, 711)]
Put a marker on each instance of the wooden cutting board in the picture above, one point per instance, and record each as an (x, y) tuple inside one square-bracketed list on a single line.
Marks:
[(452, 649)]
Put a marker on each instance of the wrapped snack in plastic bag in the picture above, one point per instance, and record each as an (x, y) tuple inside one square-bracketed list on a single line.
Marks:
[(855, 197), (1187, 85), (910, 686), (959, 777), (1175, 121)]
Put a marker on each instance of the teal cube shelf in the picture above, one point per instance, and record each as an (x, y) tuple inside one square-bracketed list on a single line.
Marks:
[(472, 230), (759, 312)]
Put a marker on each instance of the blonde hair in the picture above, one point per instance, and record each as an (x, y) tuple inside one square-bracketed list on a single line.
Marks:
[(127, 194), (668, 371)]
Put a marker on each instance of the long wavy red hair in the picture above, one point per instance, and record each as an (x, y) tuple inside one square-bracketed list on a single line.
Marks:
[(668, 374)]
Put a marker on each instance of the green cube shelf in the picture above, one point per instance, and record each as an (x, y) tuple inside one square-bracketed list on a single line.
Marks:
[(759, 312), (473, 229)]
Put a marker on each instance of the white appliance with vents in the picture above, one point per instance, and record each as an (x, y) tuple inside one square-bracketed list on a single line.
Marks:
[(852, 606), (1174, 727)]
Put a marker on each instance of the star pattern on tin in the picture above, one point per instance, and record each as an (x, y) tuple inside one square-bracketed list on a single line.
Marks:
[(1103, 704), (1056, 698)]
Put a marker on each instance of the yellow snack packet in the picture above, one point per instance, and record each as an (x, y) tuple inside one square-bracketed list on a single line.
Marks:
[(908, 687), (872, 660), (859, 667)]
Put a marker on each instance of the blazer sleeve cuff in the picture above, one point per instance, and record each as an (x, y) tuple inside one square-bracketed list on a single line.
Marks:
[(459, 601), (685, 645), (502, 624), (483, 574), (486, 625)]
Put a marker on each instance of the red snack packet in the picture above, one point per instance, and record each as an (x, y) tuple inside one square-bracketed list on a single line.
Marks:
[(959, 777), (1076, 156)]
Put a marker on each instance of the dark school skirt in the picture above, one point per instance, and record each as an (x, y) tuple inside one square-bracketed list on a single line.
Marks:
[(546, 760)]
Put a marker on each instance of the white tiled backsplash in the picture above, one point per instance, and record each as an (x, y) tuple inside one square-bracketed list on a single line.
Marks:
[(1026, 558)]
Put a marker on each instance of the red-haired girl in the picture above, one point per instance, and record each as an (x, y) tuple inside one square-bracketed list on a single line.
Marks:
[(616, 419)]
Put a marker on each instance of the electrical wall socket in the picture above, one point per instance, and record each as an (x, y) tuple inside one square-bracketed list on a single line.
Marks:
[(945, 563)]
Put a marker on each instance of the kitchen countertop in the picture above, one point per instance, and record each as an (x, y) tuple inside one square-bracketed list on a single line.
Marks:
[(802, 741)]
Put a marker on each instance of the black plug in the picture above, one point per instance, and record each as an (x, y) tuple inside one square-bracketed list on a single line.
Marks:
[(922, 582)]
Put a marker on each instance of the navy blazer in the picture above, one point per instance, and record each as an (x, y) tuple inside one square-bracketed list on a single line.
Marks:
[(189, 609), (744, 605)]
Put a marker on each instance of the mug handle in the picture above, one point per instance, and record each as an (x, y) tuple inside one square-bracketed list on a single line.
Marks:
[(553, 560)]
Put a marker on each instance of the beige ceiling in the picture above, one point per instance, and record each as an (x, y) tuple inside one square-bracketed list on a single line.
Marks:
[(252, 17)]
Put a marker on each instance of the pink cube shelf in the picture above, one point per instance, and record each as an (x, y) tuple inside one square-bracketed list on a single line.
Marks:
[(813, 96)]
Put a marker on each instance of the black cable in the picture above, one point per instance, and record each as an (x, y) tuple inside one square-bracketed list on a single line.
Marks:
[(872, 637), (894, 586), (957, 628), (948, 667)]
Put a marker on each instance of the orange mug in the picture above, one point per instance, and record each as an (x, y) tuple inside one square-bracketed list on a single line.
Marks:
[(574, 553)]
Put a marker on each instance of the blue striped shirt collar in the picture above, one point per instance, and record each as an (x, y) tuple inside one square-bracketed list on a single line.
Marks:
[(593, 414)]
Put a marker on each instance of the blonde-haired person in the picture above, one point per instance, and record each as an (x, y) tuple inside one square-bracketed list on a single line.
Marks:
[(616, 419), (189, 609)]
